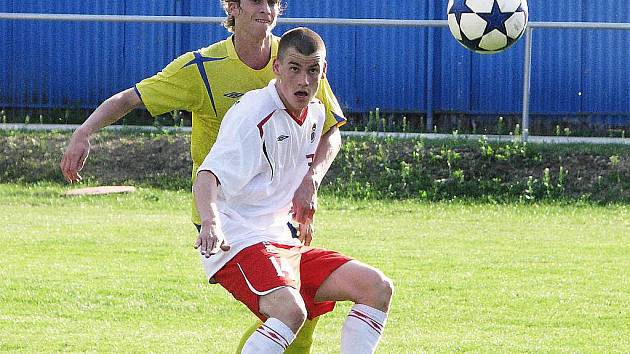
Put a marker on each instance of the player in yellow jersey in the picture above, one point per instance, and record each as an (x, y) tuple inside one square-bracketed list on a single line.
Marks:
[(207, 82)]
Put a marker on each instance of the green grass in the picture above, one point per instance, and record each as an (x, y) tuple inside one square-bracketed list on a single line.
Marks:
[(119, 274)]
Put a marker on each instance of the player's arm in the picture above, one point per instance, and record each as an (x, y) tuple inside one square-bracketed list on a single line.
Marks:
[(237, 140), (211, 237), (106, 114), (327, 150), (172, 88), (304, 201), (305, 198)]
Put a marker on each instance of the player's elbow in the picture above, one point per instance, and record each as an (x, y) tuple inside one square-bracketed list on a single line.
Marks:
[(127, 100)]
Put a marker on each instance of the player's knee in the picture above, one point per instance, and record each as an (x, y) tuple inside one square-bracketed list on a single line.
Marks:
[(379, 291), (292, 315), (286, 306), (295, 315), (386, 291)]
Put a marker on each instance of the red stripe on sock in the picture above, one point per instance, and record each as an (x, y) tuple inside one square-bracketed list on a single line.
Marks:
[(369, 323), (272, 339), (368, 318), (273, 331)]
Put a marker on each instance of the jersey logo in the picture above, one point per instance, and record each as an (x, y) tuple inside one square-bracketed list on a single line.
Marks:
[(233, 95), (283, 137), (313, 129)]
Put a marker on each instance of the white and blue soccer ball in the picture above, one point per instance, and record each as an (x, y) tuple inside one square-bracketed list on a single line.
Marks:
[(487, 26)]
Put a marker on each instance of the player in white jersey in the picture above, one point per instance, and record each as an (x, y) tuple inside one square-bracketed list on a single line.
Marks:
[(265, 153), (243, 193)]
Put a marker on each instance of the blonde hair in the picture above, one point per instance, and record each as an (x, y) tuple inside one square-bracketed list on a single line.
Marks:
[(229, 22)]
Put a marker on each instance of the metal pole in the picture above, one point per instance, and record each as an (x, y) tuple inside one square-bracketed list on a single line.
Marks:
[(429, 81), (430, 67), (527, 76)]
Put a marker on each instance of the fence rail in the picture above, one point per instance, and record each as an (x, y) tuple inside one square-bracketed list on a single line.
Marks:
[(428, 136), (380, 22)]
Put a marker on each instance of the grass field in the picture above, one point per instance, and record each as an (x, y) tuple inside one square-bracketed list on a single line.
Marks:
[(119, 274)]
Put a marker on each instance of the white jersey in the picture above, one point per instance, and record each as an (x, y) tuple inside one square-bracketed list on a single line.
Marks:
[(261, 155)]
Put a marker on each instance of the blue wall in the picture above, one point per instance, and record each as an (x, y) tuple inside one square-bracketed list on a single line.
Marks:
[(575, 72)]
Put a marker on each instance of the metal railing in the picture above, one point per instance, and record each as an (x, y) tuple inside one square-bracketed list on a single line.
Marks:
[(527, 60)]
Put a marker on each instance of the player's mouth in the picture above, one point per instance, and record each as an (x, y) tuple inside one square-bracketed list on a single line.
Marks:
[(301, 94), (267, 22)]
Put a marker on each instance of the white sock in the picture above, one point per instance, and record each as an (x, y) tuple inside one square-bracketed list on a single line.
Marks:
[(362, 330), (271, 337)]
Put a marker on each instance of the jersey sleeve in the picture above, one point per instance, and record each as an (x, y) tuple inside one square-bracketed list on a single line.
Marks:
[(177, 87), (236, 156), (334, 114)]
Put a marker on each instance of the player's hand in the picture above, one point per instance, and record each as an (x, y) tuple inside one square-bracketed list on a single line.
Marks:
[(211, 239), (74, 157), (304, 203), (306, 233)]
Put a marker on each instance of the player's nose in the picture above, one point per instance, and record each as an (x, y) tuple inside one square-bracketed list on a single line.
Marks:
[(303, 80)]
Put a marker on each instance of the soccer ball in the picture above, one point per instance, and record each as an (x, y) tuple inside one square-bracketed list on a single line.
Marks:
[(487, 26)]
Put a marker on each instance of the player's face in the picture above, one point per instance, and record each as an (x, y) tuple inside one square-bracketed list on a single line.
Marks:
[(255, 17), (298, 77)]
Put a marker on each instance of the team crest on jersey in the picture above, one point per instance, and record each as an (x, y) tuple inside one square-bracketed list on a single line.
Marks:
[(313, 129), (233, 95)]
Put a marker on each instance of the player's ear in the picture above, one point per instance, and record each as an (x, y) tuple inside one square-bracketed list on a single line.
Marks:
[(324, 69), (233, 8), (276, 66)]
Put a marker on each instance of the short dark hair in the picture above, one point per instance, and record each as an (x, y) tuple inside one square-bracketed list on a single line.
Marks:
[(304, 40), (229, 21)]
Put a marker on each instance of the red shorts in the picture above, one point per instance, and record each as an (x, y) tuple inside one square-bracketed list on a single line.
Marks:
[(264, 267)]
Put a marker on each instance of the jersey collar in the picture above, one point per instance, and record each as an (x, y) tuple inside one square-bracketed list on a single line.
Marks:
[(233, 55)]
